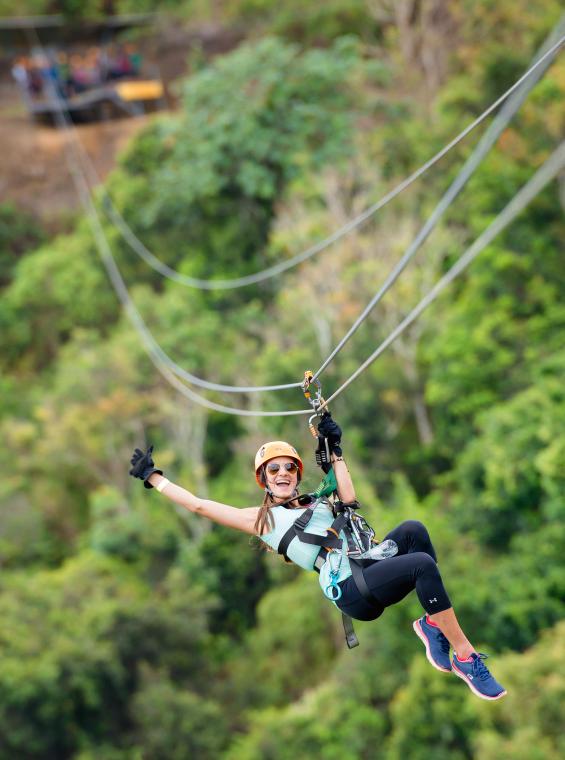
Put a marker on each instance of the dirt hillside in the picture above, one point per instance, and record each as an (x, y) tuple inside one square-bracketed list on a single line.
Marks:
[(33, 171), (34, 174)]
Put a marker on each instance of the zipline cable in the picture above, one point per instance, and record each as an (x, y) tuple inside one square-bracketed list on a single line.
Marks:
[(64, 122), (548, 171), (488, 139), (223, 284), (81, 158), (154, 351), (524, 196), (75, 164), (502, 119), (554, 164)]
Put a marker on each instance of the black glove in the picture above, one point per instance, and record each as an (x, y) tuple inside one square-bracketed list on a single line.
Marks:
[(329, 429), (143, 466)]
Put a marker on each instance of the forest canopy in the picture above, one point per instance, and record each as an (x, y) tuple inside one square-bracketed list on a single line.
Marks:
[(132, 630)]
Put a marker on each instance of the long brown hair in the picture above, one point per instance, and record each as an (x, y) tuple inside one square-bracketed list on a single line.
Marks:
[(264, 522)]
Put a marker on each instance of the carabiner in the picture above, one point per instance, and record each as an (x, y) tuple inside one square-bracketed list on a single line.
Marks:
[(317, 402), (335, 592), (311, 425), (332, 590)]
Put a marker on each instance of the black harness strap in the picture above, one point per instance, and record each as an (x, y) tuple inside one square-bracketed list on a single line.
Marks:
[(360, 582), (330, 541), (304, 519), (350, 636), (297, 530)]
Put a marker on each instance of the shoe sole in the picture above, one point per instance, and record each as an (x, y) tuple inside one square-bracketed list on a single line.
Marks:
[(422, 636), (477, 693)]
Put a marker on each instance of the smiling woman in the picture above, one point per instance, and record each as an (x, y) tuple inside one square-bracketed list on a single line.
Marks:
[(327, 535)]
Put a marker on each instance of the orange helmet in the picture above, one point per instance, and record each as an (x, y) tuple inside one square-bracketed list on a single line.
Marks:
[(271, 450)]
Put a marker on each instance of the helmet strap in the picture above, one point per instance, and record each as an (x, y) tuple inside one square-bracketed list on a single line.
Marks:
[(266, 482)]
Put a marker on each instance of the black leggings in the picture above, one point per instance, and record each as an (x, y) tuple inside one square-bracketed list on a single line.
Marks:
[(390, 580)]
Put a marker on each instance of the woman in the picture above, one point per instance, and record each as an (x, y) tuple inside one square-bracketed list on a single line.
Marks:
[(278, 471)]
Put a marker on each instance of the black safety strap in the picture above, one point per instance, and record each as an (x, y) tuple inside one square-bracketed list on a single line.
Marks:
[(297, 530), (350, 636), (330, 541), (360, 582), (304, 519)]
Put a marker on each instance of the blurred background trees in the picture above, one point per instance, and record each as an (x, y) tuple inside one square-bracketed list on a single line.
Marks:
[(131, 630)]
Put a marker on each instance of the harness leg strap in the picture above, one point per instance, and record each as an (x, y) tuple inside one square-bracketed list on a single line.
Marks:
[(360, 582), (350, 635)]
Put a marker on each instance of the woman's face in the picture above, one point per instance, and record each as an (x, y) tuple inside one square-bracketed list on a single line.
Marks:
[(281, 480)]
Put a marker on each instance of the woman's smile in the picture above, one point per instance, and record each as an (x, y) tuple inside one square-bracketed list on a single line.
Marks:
[(282, 482)]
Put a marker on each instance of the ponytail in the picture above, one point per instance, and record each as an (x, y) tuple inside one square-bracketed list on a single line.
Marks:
[(264, 522)]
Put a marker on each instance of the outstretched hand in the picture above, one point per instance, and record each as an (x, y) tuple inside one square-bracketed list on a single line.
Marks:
[(143, 466), (329, 429)]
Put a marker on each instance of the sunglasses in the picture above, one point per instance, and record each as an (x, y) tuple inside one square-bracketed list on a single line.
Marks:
[(273, 467)]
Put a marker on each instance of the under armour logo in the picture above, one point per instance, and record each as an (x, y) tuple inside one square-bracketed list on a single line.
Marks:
[(433, 600)]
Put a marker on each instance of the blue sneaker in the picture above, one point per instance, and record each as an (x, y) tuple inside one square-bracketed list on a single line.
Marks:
[(437, 646), (477, 676)]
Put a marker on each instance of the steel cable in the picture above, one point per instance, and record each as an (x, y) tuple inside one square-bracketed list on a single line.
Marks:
[(162, 361), (554, 164), (502, 119), (549, 170), (237, 282), (510, 107)]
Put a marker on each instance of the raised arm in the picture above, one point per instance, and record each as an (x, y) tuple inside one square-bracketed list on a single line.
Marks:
[(345, 487), (332, 432), (144, 468)]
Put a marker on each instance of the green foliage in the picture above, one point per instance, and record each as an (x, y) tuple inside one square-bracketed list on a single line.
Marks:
[(295, 625), (505, 322), (72, 10), (347, 712), (430, 715), (528, 720), (60, 673), (326, 722), (220, 447), (73, 641), (238, 582), (132, 629), (30, 7), (115, 529), (175, 723), (448, 720), (41, 307), (510, 473), (19, 232), (215, 175), (25, 537), (530, 594), (306, 24)]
